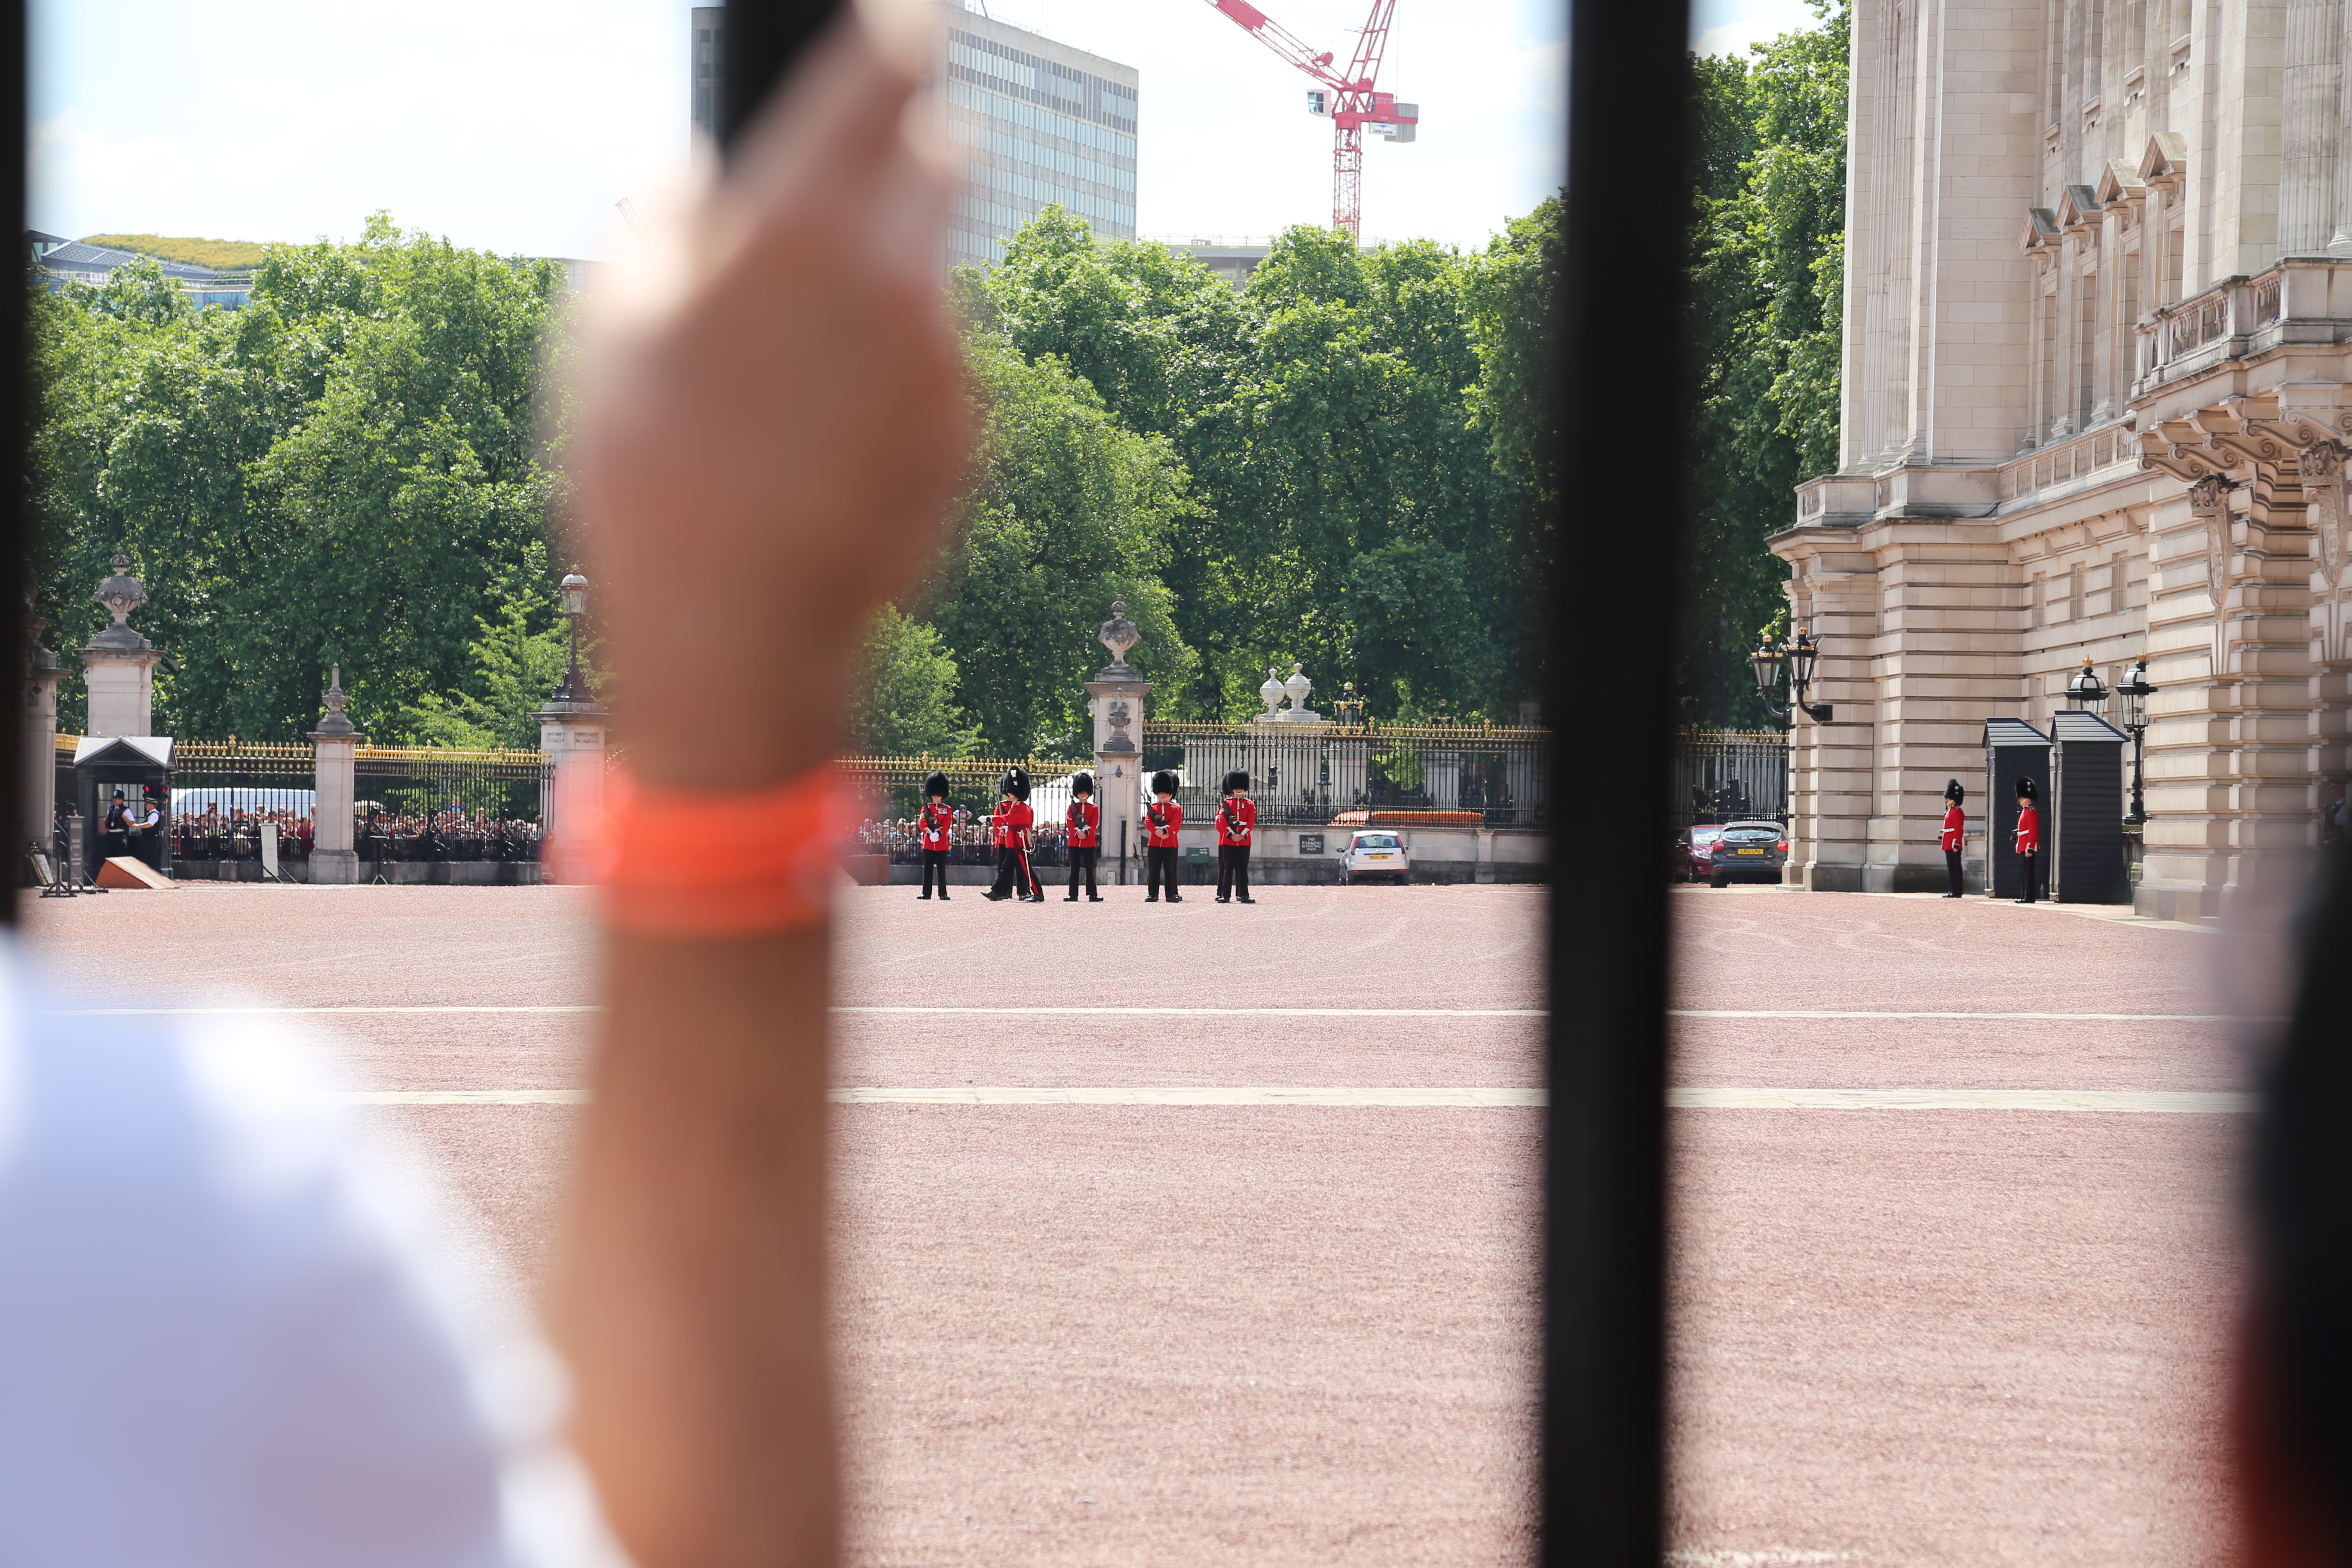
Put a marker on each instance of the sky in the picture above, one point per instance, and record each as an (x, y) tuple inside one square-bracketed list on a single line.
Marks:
[(515, 125)]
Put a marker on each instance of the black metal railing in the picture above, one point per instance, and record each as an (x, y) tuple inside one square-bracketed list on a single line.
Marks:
[(226, 794), (423, 803), (1730, 775), (1302, 775)]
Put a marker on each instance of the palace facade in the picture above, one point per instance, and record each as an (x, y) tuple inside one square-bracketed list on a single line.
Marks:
[(2098, 393)]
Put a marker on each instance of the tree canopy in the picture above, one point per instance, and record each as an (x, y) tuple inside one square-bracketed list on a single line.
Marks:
[(1356, 430), (1767, 274), (1347, 463), (348, 470)]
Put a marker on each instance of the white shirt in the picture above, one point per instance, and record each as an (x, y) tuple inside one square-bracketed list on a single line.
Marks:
[(236, 1332)]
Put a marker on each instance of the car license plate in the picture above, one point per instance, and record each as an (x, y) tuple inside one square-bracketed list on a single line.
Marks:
[(1381, 855), (1748, 852)]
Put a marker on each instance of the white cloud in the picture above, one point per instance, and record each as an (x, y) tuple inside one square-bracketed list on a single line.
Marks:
[(1729, 27)]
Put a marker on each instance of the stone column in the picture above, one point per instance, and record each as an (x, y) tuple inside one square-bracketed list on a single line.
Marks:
[(335, 746), (40, 779), (118, 665), (2311, 80), (572, 736), (1115, 697)]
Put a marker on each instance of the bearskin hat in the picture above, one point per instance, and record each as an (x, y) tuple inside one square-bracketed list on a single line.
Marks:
[(1082, 784), (1164, 783), (2025, 790), (1237, 781), (1956, 792), (1016, 782), (936, 786)]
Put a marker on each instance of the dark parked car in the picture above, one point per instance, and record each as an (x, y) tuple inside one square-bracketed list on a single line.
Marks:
[(1748, 852)]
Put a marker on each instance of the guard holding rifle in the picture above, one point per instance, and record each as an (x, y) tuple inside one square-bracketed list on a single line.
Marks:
[(2029, 839), (1236, 815), (1084, 836), (1014, 877), (934, 831), (1164, 819)]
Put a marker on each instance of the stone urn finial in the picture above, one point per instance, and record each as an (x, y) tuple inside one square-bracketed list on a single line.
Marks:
[(1120, 634), (336, 722), (121, 594), (1271, 691), (1297, 686)]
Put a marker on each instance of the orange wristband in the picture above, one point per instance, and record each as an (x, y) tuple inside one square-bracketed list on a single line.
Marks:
[(698, 863)]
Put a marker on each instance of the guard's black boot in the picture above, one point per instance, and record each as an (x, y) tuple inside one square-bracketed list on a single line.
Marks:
[(1245, 898), (925, 895), (1175, 897), (1072, 899), (1094, 898), (1153, 899)]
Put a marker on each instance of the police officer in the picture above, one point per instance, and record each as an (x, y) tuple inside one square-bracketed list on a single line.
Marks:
[(1954, 824), (1164, 819), (2029, 841), (1013, 820), (1236, 816), (933, 831), (116, 830), (1083, 834)]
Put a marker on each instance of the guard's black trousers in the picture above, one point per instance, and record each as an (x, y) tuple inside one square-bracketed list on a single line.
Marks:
[(1233, 870), (1159, 865), (1081, 859), (2030, 867), (1952, 870), (935, 861), (1012, 872)]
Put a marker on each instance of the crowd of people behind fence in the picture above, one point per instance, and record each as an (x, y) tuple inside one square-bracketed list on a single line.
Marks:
[(235, 833), (969, 842)]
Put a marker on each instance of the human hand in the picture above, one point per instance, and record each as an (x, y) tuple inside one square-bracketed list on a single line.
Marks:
[(772, 417)]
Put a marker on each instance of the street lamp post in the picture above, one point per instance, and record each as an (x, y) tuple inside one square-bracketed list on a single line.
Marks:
[(1797, 655), (575, 606), (2134, 690), (2086, 691)]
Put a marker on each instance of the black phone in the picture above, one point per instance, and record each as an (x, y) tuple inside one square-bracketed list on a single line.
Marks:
[(761, 40)]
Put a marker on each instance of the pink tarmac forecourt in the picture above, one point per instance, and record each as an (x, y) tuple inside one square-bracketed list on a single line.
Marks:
[(1303, 1334)]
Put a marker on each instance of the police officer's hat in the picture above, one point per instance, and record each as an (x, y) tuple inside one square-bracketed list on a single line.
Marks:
[(2025, 790), (1082, 784), (1236, 781), (117, 795), (1164, 783), (1956, 792), (936, 786), (1016, 782)]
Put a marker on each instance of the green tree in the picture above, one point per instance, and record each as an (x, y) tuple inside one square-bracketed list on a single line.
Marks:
[(348, 470), (1069, 510), (1350, 510), (907, 698), (1767, 268)]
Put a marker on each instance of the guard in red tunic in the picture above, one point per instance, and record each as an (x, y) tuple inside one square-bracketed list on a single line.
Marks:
[(1236, 816), (1164, 819), (2029, 841), (1954, 824), (934, 831), (1014, 876), (1083, 834)]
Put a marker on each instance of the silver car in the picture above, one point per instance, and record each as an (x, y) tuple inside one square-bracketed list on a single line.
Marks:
[(1750, 852)]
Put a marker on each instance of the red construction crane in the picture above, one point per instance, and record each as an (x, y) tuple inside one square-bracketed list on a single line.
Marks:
[(1351, 100)]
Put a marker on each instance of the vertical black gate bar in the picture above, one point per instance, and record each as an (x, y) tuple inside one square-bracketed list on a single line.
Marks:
[(762, 38), (1613, 718), (16, 412)]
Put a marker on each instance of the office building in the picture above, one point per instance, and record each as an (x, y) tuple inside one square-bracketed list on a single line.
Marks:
[(709, 23), (1039, 123)]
